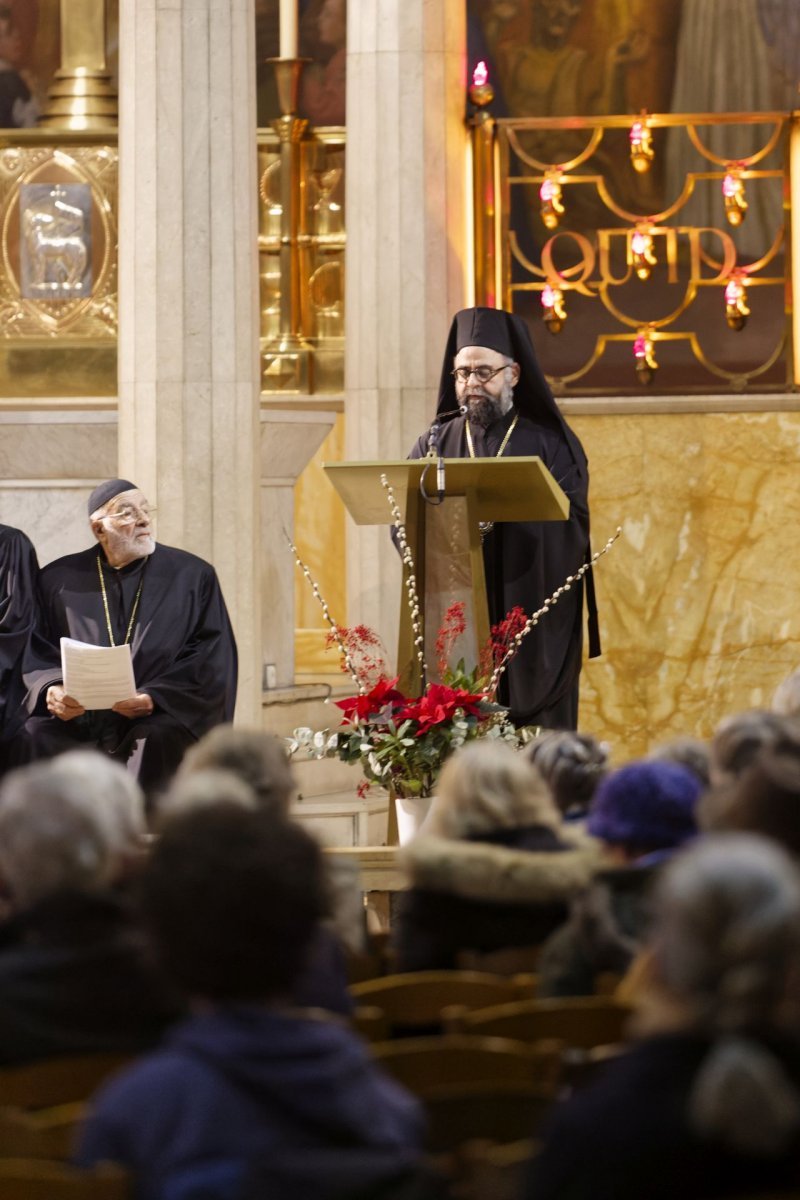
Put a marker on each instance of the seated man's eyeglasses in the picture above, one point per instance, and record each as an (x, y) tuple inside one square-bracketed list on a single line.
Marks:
[(482, 374), (128, 515)]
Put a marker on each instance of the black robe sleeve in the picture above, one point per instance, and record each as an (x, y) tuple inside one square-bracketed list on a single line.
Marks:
[(19, 581)]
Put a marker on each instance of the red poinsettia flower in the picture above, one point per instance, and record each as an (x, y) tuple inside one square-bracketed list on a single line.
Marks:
[(362, 707), (438, 705)]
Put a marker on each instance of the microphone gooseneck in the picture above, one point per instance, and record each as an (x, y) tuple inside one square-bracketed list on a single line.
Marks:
[(433, 452)]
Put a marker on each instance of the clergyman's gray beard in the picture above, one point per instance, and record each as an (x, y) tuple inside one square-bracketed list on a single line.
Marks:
[(484, 410)]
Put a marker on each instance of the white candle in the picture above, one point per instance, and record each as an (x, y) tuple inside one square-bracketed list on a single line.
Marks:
[(288, 28)]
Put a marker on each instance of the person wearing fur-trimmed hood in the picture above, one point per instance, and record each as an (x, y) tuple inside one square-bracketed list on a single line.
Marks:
[(494, 867)]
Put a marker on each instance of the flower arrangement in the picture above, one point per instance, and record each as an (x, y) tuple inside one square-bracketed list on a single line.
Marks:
[(403, 741)]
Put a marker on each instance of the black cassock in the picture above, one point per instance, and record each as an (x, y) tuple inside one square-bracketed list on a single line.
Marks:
[(183, 650), (19, 573), (526, 561)]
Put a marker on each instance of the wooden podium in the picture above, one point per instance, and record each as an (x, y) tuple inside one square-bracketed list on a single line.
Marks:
[(445, 538)]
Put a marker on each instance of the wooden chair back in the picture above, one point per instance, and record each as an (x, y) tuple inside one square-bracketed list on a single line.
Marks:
[(57, 1080), (371, 1022), (46, 1133), (579, 1022), (606, 983), (509, 961), (417, 998), (24, 1179), (425, 1065), (497, 1113), (492, 1171)]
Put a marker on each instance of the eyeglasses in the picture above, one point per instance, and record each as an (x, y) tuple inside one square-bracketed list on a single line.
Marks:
[(483, 374), (128, 515)]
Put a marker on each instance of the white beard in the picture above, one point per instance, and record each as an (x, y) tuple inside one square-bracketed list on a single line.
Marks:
[(129, 545)]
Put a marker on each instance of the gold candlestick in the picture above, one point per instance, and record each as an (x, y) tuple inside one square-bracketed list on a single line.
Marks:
[(82, 95), (291, 353)]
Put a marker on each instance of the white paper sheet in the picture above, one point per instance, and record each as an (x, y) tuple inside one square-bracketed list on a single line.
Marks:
[(97, 676)]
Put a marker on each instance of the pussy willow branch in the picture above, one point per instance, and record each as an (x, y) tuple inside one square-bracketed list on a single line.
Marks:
[(410, 577), (340, 642), (534, 618)]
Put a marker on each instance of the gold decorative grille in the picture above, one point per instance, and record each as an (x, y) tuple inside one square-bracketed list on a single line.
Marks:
[(651, 248)]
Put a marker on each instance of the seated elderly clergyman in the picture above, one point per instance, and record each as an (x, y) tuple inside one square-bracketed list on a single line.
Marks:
[(168, 605)]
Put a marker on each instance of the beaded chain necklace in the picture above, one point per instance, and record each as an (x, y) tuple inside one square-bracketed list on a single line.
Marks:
[(486, 527), (503, 444), (105, 604)]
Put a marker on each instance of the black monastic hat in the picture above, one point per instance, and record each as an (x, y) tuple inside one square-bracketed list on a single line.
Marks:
[(107, 491), (508, 334)]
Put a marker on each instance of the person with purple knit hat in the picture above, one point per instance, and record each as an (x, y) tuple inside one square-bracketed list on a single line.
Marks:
[(642, 813), (168, 605), (494, 402)]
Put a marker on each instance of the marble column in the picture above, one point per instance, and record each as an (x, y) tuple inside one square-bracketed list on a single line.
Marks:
[(188, 292), (406, 248)]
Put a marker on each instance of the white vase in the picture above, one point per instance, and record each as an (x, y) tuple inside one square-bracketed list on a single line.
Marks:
[(412, 814)]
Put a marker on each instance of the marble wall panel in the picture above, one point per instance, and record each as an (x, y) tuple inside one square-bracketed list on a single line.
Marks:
[(49, 462), (698, 599), (66, 445), (53, 516)]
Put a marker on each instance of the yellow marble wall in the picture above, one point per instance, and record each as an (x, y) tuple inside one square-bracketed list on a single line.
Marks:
[(320, 538), (699, 598)]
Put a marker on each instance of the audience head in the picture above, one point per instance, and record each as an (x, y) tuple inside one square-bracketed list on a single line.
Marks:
[(687, 752), (487, 786), (231, 898), (738, 738), (786, 700), (763, 798), (726, 930), (645, 807), (73, 822), (257, 758), (201, 789), (572, 765), (726, 949)]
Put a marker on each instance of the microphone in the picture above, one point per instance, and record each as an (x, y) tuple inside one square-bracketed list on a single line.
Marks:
[(433, 452)]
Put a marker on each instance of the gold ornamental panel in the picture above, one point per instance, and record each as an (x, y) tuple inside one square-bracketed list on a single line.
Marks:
[(58, 284)]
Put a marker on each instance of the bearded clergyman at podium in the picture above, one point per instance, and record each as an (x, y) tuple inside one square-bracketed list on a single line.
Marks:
[(490, 371)]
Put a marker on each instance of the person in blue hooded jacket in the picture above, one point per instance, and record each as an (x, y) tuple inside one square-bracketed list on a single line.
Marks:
[(249, 1089)]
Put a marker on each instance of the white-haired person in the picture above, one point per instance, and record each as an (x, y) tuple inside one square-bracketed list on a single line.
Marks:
[(706, 1102), (73, 977), (494, 867)]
